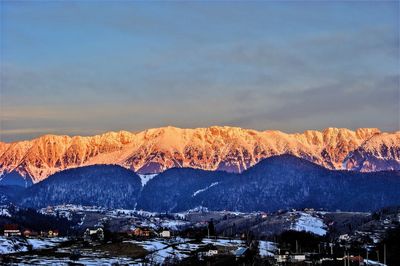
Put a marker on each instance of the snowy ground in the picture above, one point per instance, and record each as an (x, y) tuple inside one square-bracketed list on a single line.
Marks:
[(146, 178), (174, 224), (266, 248), (89, 261), (12, 245), (38, 243), (373, 263), (4, 211), (307, 222), (159, 250), (223, 242), (179, 248), (19, 244)]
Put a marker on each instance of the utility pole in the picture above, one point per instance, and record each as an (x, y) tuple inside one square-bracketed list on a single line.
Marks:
[(297, 248), (348, 258), (384, 254), (367, 256)]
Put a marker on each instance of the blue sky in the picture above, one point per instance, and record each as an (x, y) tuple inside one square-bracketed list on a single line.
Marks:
[(85, 67)]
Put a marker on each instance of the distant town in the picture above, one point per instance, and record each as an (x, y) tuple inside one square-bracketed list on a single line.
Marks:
[(87, 235)]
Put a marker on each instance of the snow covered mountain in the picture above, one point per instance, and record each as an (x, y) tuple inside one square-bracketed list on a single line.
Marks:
[(229, 149), (380, 152)]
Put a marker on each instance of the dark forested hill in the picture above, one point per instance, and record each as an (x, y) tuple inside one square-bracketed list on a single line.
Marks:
[(102, 185), (177, 188), (289, 182), (279, 182)]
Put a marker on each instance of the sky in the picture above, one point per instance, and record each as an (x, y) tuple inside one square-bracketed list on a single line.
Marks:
[(86, 67)]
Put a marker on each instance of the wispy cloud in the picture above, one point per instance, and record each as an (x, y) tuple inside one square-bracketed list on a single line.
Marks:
[(84, 66)]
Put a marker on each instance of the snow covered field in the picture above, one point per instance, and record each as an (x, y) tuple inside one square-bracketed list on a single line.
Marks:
[(180, 248), (307, 222), (266, 248), (19, 244), (12, 245), (224, 242), (160, 250)]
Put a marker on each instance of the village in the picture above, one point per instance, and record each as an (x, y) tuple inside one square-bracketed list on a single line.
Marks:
[(305, 237)]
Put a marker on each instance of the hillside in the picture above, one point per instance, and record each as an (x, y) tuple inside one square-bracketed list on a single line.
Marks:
[(279, 182), (100, 185)]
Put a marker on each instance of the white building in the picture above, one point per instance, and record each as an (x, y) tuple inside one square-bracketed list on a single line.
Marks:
[(94, 234), (165, 233), (12, 232)]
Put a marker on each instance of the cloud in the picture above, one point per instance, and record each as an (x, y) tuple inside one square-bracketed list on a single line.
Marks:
[(259, 65), (341, 104)]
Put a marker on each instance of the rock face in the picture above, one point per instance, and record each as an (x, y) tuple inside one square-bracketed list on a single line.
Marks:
[(229, 149), (380, 152)]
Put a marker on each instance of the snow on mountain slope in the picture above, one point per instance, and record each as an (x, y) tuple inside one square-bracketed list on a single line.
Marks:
[(307, 222), (146, 178), (380, 152), (230, 149), (204, 189)]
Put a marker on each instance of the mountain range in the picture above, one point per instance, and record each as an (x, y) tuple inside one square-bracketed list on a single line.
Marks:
[(278, 182), (228, 149)]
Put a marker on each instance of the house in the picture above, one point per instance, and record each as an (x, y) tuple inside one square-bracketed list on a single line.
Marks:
[(297, 257), (344, 237), (165, 233), (241, 252), (354, 259), (212, 252), (29, 233), (11, 230), (93, 234), (52, 233), (49, 233), (141, 232), (207, 251), (281, 258)]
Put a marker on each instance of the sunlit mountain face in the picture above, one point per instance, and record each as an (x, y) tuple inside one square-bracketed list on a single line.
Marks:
[(229, 149)]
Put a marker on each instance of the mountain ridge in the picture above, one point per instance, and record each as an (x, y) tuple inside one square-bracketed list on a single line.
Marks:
[(230, 149)]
